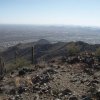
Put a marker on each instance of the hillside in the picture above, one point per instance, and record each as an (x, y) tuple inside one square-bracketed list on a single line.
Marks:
[(65, 75), (73, 79), (43, 49)]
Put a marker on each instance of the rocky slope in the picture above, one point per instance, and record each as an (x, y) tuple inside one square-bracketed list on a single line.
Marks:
[(75, 78), (60, 77)]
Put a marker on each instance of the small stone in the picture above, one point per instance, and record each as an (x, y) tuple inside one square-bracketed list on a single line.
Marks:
[(36, 97), (12, 91)]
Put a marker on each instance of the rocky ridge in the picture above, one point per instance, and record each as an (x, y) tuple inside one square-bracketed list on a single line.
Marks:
[(72, 78)]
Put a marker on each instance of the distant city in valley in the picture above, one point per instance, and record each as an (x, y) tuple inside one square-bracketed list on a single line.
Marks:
[(14, 34)]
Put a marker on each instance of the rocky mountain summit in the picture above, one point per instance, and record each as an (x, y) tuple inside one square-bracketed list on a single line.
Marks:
[(64, 75)]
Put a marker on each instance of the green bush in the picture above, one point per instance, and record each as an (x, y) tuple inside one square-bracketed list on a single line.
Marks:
[(97, 52), (73, 49), (20, 62)]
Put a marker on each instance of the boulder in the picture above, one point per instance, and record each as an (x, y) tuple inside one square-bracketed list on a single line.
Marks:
[(84, 97), (73, 98), (21, 72), (66, 92), (21, 90)]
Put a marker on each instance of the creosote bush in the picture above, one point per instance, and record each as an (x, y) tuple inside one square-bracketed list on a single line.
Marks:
[(20, 62), (97, 52), (2, 68), (73, 49)]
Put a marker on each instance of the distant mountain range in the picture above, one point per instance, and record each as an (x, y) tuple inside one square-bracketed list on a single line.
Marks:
[(43, 49)]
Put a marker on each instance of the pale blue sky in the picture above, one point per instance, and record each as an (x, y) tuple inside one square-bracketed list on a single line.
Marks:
[(50, 12)]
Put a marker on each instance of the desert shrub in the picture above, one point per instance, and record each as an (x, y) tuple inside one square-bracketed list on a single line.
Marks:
[(19, 63), (10, 67), (55, 91), (2, 68), (73, 49), (97, 52)]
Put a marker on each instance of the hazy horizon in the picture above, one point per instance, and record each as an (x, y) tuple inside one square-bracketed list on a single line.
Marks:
[(52, 25)]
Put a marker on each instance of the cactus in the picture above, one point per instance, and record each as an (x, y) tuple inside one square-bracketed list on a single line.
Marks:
[(32, 55), (2, 68), (16, 54), (34, 61)]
